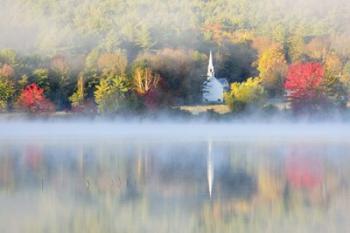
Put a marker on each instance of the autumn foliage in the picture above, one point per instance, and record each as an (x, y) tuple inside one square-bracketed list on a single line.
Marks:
[(304, 85), (6, 71), (32, 100), (144, 81)]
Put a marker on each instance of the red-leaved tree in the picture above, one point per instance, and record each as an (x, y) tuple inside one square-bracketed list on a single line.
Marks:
[(304, 85), (32, 100)]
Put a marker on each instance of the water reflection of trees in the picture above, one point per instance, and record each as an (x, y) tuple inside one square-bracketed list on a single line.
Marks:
[(253, 186), (295, 183)]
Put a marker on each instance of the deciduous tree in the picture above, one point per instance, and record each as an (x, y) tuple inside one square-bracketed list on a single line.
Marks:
[(304, 85), (32, 100), (144, 80), (6, 91), (7, 71), (248, 93), (77, 99), (272, 67)]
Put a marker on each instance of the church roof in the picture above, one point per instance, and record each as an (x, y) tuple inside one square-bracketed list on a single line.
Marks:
[(224, 83)]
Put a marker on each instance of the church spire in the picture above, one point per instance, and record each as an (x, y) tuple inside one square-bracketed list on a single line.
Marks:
[(211, 72)]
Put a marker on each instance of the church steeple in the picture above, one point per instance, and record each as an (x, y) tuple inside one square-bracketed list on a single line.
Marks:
[(211, 72)]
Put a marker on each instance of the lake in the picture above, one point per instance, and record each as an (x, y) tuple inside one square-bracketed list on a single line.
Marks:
[(113, 177)]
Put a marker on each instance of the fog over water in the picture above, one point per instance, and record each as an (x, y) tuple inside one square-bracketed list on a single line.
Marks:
[(96, 130), (173, 177)]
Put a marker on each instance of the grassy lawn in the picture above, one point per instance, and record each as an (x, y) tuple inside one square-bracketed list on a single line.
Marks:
[(196, 109)]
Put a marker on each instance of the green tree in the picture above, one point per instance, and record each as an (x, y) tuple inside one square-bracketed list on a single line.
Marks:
[(295, 47), (78, 97), (8, 56), (144, 39), (61, 81), (113, 94), (22, 82), (333, 84), (335, 91), (41, 78), (234, 61), (6, 91)]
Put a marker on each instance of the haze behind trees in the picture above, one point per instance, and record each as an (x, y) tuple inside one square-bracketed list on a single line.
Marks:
[(86, 52)]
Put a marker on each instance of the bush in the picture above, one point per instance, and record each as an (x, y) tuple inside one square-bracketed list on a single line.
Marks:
[(243, 95)]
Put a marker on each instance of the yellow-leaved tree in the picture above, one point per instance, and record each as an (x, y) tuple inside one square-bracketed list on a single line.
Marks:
[(144, 80), (245, 94), (77, 99), (272, 67)]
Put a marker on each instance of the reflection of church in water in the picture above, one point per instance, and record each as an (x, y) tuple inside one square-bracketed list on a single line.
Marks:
[(202, 170), (178, 171)]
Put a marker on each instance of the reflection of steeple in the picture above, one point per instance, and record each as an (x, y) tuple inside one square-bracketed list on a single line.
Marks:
[(210, 169), (211, 72)]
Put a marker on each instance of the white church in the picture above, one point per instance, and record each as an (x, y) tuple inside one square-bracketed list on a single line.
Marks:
[(213, 88)]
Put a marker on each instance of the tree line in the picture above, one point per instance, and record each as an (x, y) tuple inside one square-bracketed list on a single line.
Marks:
[(114, 56)]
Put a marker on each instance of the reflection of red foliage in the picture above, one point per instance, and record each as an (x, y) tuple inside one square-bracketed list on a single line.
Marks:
[(32, 99), (303, 171), (303, 83), (33, 157)]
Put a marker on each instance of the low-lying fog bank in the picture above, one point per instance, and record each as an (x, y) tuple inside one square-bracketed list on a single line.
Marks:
[(103, 130)]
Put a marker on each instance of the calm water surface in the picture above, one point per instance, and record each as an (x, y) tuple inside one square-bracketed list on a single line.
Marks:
[(212, 184)]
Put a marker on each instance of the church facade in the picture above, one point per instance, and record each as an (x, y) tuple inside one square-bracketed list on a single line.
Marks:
[(213, 88)]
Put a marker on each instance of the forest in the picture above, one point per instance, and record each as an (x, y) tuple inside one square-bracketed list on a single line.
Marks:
[(113, 56)]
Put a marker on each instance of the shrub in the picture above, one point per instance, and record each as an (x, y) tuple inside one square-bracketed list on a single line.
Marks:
[(244, 94)]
